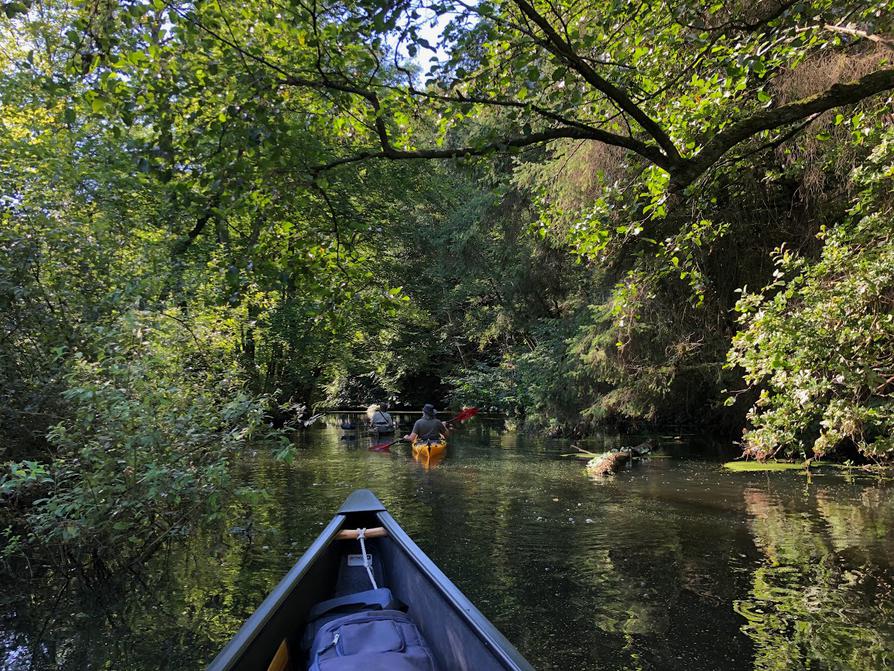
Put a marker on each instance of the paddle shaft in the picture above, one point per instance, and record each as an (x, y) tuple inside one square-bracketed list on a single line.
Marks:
[(385, 446)]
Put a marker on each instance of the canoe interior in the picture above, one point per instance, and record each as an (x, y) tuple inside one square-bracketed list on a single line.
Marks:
[(458, 635)]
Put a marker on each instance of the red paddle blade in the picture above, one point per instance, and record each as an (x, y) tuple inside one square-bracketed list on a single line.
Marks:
[(381, 447), (468, 413)]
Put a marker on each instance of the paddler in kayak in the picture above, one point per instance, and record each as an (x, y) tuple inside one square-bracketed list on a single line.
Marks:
[(428, 428), (380, 420)]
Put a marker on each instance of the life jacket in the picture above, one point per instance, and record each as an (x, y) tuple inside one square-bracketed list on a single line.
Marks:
[(382, 420)]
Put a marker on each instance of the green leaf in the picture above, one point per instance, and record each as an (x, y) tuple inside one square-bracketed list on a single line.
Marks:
[(13, 9)]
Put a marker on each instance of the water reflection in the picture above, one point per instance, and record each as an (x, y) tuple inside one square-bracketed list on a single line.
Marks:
[(822, 594), (675, 564), (427, 460)]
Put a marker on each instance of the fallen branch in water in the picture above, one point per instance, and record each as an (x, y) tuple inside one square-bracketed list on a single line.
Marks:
[(608, 464), (612, 462), (580, 454)]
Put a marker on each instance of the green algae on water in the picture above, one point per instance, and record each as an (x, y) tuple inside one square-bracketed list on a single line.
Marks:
[(761, 466)]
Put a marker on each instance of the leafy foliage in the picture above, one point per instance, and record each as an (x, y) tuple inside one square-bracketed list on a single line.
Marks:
[(819, 339), (196, 229), (147, 444)]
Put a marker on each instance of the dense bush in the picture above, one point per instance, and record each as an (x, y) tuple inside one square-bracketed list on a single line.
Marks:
[(154, 420), (820, 339)]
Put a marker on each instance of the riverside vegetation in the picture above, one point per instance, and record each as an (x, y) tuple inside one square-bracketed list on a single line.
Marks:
[(576, 213)]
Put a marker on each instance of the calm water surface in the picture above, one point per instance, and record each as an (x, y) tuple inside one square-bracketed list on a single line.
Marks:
[(673, 565)]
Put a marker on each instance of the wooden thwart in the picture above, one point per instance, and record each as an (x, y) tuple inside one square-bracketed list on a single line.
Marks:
[(351, 534)]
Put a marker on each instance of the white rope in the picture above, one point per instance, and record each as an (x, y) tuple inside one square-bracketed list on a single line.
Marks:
[(361, 533)]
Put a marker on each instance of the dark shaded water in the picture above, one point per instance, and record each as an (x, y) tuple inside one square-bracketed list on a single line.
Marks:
[(674, 565)]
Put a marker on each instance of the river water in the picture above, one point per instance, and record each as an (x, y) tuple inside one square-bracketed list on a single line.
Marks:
[(675, 564)]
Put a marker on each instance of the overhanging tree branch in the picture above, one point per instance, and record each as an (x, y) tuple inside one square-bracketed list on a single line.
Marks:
[(683, 172), (836, 96), (862, 34), (323, 83), (390, 152), (556, 45)]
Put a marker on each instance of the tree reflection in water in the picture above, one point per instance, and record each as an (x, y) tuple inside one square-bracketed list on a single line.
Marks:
[(821, 597), (676, 564)]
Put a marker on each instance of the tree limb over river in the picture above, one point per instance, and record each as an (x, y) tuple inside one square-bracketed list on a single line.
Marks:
[(579, 102)]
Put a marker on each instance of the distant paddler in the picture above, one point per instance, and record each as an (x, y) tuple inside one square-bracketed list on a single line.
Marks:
[(431, 426), (380, 420), (428, 428)]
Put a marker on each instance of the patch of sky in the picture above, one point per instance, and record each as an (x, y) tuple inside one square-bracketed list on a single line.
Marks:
[(427, 48)]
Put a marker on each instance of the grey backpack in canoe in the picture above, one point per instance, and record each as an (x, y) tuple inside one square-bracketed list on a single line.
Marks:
[(372, 640), (365, 631)]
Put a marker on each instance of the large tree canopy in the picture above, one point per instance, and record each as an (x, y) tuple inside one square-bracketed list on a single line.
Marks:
[(680, 84)]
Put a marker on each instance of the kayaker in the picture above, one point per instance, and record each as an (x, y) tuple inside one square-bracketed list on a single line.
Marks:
[(428, 427), (381, 418)]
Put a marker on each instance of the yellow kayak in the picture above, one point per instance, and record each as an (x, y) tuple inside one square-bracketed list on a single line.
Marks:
[(429, 449), (427, 462)]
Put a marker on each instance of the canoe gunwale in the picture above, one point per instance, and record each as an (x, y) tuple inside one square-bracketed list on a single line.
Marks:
[(232, 653), (365, 503), (485, 630)]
